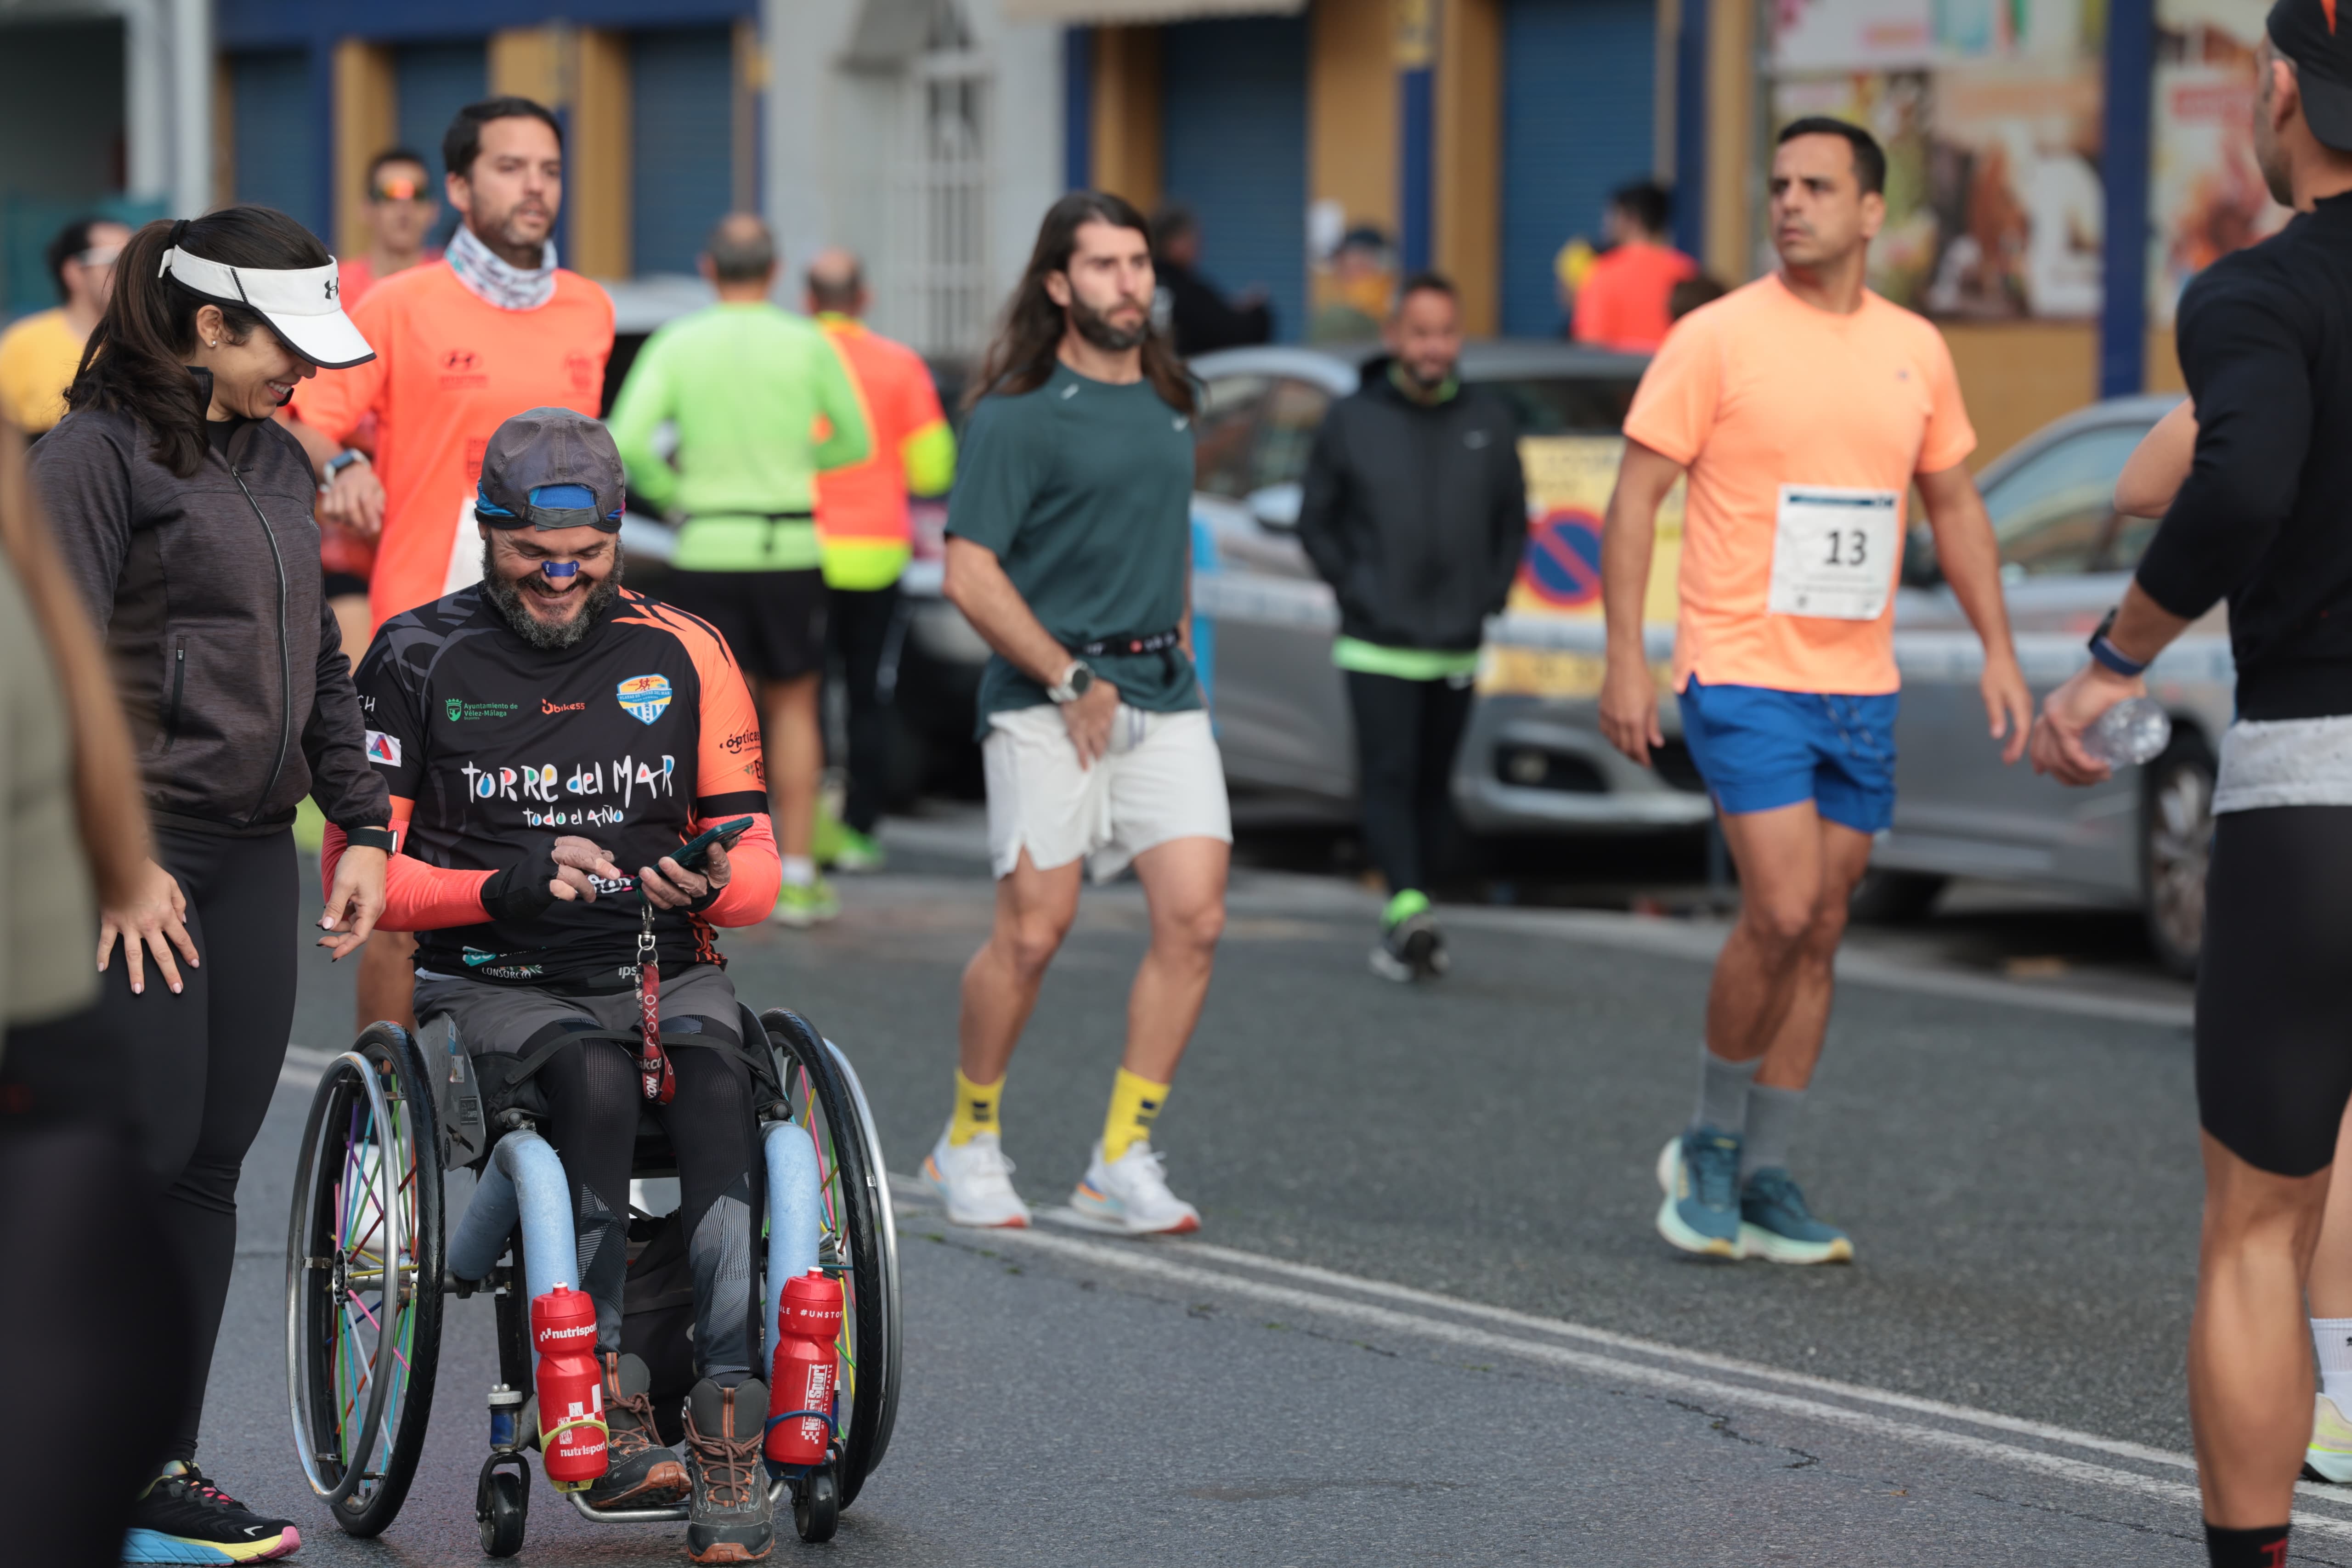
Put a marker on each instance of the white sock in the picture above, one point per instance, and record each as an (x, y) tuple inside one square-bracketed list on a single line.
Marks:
[(2332, 1338), (798, 870)]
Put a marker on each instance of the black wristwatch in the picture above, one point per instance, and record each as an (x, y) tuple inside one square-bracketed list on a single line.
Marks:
[(2114, 658), (371, 838), (1075, 683)]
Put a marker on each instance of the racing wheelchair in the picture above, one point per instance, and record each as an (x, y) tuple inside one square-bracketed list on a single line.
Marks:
[(371, 1260)]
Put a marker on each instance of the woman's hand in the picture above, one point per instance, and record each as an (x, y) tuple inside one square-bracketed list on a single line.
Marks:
[(354, 903), (155, 916)]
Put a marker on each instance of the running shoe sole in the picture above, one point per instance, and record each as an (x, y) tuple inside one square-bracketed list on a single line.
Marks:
[(1388, 966), (730, 1552), (1101, 1207), (152, 1546), (1755, 1241), (1670, 1223), (930, 1174)]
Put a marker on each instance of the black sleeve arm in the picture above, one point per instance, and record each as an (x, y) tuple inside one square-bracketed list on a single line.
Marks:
[(83, 475), (347, 787), (1509, 525), (1322, 495), (2244, 356)]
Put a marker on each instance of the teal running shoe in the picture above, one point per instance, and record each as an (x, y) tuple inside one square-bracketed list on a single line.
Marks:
[(1699, 1171), (1775, 1223)]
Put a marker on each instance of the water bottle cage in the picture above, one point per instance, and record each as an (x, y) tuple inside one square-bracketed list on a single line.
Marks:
[(548, 1439), (830, 1429)]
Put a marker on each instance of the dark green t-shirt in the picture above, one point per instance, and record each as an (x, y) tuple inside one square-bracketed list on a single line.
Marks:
[(1084, 489)]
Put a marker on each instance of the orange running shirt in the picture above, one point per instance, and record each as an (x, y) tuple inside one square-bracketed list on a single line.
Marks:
[(861, 511), (449, 368), (1622, 303), (1770, 402)]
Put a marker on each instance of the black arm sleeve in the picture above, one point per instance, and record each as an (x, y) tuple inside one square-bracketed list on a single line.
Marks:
[(2243, 352), (1508, 525), (334, 742), (1322, 496), (83, 473)]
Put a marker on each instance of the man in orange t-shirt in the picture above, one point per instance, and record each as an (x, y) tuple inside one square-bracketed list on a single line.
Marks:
[(462, 344), (1622, 302), (1802, 409), (863, 530)]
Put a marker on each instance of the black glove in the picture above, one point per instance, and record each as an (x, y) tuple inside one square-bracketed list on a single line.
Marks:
[(521, 894)]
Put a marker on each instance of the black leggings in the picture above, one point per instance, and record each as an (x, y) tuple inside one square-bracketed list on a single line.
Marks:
[(2273, 1029), (594, 1101), (864, 627), (205, 1063), (1406, 735)]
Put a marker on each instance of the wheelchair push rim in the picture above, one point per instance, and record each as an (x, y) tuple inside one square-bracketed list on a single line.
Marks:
[(362, 1280)]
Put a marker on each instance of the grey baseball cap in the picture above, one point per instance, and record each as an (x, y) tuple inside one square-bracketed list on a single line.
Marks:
[(550, 468)]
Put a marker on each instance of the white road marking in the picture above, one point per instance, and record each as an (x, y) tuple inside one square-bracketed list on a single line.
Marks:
[(1171, 1261)]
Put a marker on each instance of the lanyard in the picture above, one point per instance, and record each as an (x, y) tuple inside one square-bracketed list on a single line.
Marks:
[(655, 1073)]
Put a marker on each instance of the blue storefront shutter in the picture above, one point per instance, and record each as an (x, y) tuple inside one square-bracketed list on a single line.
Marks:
[(1579, 92), (276, 148), (682, 142), (430, 83), (1234, 145)]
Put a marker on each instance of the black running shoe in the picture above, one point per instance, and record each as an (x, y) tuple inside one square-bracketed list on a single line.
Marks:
[(639, 1472), (728, 1518), (183, 1518), (1411, 947)]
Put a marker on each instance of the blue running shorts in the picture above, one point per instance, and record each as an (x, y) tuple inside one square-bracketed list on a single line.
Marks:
[(1760, 749)]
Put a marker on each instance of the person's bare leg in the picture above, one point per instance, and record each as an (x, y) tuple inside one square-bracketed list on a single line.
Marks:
[(795, 760), (1781, 875), (388, 979), (2250, 1394), (1184, 888), (2329, 1288), (1033, 910), (1796, 1044)]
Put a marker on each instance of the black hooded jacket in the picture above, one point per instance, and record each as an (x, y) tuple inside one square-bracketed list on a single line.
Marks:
[(1415, 513)]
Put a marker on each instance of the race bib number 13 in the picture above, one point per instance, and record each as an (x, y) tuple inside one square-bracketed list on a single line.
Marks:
[(1835, 552)]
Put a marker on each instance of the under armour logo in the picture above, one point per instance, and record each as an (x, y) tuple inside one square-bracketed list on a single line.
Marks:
[(330, 288)]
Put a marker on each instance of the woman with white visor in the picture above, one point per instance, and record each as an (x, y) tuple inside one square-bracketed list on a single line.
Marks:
[(183, 512)]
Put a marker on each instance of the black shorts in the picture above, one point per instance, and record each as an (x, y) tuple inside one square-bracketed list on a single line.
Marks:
[(2275, 986), (773, 620)]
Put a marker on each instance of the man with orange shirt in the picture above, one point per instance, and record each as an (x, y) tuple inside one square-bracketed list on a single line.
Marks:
[(493, 328), (1802, 407), (864, 539), (1622, 301)]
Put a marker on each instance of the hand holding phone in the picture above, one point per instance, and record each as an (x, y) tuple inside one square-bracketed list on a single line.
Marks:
[(692, 854)]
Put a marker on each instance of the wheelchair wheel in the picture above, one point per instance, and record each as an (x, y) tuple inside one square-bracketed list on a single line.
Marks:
[(364, 1272), (860, 1237)]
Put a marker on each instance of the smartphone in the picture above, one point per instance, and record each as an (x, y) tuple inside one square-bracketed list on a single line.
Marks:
[(692, 854)]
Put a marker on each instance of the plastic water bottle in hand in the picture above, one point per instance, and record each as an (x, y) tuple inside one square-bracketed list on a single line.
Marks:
[(2133, 731)]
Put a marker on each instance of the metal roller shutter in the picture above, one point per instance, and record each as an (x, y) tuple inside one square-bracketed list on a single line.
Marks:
[(276, 148), (430, 83), (682, 142), (1233, 97), (1579, 83)]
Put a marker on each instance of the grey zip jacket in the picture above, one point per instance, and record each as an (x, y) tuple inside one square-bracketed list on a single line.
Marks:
[(207, 591)]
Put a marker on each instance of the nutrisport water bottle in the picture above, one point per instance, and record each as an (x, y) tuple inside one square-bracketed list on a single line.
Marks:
[(570, 1388), (805, 1371)]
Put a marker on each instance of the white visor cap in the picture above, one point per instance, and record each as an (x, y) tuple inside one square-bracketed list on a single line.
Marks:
[(305, 304)]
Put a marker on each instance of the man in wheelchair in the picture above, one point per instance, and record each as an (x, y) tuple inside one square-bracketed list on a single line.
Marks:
[(550, 739)]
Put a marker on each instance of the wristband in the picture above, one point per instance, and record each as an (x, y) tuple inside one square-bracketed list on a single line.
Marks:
[(381, 839), (519, 895), (2114, 658), (337, 464)]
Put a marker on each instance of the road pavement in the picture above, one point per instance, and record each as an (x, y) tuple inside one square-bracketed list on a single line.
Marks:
[(1427, 1319)]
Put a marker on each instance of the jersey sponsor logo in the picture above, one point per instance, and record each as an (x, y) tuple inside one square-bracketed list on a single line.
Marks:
[(741, 742), (643, 697), (461, 360), (460, 710), (548, 783), (383, 748), (582, 370), (547, 707)]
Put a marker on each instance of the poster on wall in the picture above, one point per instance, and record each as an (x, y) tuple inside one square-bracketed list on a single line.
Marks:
[(2206, 196)]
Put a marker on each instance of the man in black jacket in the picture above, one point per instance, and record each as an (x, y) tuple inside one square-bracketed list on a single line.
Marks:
[(1415, 512), (1200, 318)]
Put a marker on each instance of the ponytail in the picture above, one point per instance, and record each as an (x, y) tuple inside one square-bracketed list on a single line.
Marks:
[(136, 361)]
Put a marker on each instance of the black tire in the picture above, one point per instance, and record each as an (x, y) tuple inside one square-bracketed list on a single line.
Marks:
[(859, 1232), (2176, 846), (361, 1377), (502, 1506), (817, 1506), (1893, 898)]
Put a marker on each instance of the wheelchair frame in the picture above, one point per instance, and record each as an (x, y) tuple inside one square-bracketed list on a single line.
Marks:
[(393, 1115)]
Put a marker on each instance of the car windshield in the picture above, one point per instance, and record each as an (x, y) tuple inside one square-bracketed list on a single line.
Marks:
[(2054, 512), (1565, 405)]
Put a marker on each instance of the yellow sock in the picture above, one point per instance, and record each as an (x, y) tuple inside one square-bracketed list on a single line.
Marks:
[(1134, 1101), (975, 1108)]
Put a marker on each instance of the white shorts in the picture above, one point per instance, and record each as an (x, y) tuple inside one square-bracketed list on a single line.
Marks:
[(1162, 778)]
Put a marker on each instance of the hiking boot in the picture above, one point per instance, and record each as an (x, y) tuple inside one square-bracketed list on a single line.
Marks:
[(727, 1516), (639, 1472)]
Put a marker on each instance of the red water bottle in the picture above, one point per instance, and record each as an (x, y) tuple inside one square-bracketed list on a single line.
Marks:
[(570, 1388), (807, 1365)]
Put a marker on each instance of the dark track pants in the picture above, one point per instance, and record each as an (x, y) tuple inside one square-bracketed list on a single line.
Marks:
[(205, 1063), (862, 625), (1406, 734)]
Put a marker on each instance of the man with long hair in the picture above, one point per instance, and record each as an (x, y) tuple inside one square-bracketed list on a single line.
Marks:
[(1069, 550)]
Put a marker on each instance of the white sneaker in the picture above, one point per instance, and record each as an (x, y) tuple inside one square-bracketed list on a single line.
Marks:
[(2329, 1456), (1133, 1194), (975, 1181)]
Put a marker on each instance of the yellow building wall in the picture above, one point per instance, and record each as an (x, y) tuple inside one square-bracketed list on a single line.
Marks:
[(1127, 145), (2016, 376), (586, 72), (1466, 162), (1731, 158), (365, 121)]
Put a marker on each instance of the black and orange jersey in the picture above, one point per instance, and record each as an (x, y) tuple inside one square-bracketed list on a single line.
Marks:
[(493, 749)]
